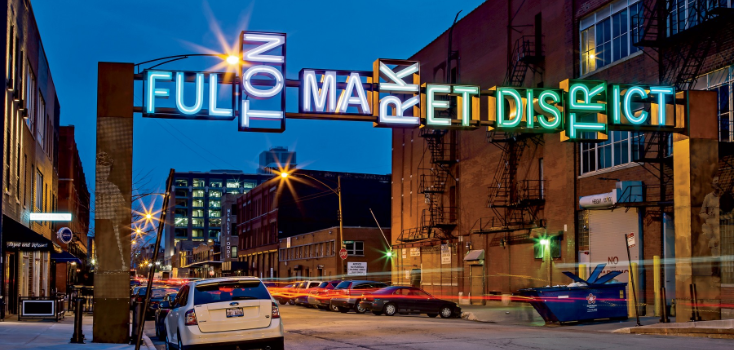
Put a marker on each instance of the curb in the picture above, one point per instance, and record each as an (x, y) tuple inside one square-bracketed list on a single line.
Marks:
[(717, 333)]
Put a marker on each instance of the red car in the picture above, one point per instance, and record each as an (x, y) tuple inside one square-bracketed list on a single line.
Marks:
[(320, 297)]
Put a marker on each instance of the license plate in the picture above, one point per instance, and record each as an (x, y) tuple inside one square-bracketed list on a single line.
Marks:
[(236, 312)]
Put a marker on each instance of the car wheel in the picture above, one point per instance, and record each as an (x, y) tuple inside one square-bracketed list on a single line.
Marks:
[(432, 315), (390, 309), (332, 307), (446, 312), (359, 309), (282, 302), (292, 302), (342, 309), (377, 313)]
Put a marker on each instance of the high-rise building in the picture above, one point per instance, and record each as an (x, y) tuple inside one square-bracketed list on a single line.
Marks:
[(275, 157), (197, 212)]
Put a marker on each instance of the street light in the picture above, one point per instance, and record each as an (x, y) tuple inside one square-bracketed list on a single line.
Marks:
[(284, 175), (232, 59)]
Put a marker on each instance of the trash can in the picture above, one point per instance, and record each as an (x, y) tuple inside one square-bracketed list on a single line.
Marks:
[(582, 300)]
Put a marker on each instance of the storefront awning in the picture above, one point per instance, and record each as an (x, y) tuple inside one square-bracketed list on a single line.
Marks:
[(17, 236), (474, 255), (65, 257)]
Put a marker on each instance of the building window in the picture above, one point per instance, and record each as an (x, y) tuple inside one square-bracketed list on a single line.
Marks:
[(181, 221), (354, 248), (215, 194), (181, 193), (41, 127), (181, 232), (617, 150), (214, 234), (685, 14), (215, 213), (234, 252), (198, 193), (233, 191), (721, 81), (199, 183), (215, 222), (197, 213), (233, 184), (215, 204), (182, 182), (583, 228), (215, 183), (609, 34), (30, 98), (38, 203), (197, 222), (197, 203), (197, 233)]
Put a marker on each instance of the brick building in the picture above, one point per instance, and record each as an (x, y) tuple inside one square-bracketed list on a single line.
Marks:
[(30, 164), (315, 255), (473, 207), (301, 203)]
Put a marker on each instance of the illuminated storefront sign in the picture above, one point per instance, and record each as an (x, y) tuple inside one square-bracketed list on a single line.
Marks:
[(50, 217), (391, 95)]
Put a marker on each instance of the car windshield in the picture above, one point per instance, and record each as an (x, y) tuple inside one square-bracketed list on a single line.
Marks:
[(228, 291), (160, 293), (323, 284), (418, 293), (343, 285)]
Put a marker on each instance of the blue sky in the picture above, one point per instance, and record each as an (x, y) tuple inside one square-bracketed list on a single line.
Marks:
[(342, 34)]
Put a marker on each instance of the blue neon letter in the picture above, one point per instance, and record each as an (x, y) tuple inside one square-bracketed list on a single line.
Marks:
[(213, 109), (180, 94), (152, 92)]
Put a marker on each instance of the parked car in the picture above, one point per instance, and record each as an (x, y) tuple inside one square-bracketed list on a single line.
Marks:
[(156, 297), (301, 297), (408, 300), (161, 312), (281, 294), (320, 296), (347, 295), (229, 311)]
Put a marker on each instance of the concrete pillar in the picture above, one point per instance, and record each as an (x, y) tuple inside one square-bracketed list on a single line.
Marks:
[(695, 159), (113, 191)]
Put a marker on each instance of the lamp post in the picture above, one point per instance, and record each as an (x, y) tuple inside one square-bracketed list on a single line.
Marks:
[(338, 192)]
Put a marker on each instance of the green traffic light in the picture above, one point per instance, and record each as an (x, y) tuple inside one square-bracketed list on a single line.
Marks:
[(389, 254)]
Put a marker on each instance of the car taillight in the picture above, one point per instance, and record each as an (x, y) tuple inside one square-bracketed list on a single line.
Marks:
[(140, 299), (190, 318), (346, 292), (276, 311)]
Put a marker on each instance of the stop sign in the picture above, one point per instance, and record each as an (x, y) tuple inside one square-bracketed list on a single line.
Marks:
[(343, 253)]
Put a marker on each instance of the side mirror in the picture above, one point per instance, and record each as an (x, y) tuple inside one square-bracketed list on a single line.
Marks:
[(165, 305)]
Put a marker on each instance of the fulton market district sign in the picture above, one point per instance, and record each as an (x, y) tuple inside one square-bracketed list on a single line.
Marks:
[(391, 95)]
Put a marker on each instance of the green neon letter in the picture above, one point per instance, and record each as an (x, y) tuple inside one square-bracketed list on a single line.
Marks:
[(627, 105), (616, 118), (431, 103), (152, 92), (661, 91), (587, 95), (465, 92), (515, 115), (550, 109), (530, 113), (574, 127)]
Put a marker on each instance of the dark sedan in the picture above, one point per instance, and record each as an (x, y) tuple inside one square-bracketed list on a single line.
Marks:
[(408, 300), (156, 297), (160, 313)]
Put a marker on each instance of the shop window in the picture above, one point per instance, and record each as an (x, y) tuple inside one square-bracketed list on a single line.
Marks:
[(215, 183), (182, 182), (354, 248), (609, 34), (199, 183), (617, 150)]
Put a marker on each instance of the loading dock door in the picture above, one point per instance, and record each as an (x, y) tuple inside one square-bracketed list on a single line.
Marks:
[(606, 239), (477, 285)]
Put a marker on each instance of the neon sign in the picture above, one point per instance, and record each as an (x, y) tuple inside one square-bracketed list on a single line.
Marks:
[(391, 95)]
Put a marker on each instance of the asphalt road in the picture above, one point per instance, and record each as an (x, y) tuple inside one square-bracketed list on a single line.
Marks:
[(310, 329)]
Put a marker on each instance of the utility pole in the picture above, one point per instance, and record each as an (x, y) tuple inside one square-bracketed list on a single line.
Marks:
[(341, 222)]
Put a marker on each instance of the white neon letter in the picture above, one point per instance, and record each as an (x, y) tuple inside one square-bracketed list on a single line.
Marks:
[(400, 108), (465, 92), (213, 109), (432, 104), (354, 82), (661, 91), (153, 92), (248, 114), (310, 89), (262, 94), (258, 54), (398, 82), (180, 94)]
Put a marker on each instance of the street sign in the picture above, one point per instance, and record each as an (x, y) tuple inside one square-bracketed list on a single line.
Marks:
[(631, 240), (65, 235), (343, 253), (357, 269)]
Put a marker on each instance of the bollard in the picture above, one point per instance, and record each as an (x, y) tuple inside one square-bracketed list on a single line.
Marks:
[(78, 337), (664, 302), (656, 285), (137, 309)]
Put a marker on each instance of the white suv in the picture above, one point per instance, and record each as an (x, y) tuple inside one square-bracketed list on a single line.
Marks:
[(230, 311)]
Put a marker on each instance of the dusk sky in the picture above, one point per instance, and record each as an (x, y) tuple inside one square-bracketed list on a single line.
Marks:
[(321, 34)]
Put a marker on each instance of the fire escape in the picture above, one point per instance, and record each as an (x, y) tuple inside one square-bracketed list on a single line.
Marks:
[(516, 203), (682, 37), (438, 220)]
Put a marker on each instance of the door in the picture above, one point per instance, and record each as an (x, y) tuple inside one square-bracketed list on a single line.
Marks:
[(172, 318), (607, 243), (476, 290), (422, 301)]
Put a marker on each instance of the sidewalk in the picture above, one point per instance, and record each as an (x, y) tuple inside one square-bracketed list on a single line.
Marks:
[(39, 334), (721, 329)]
